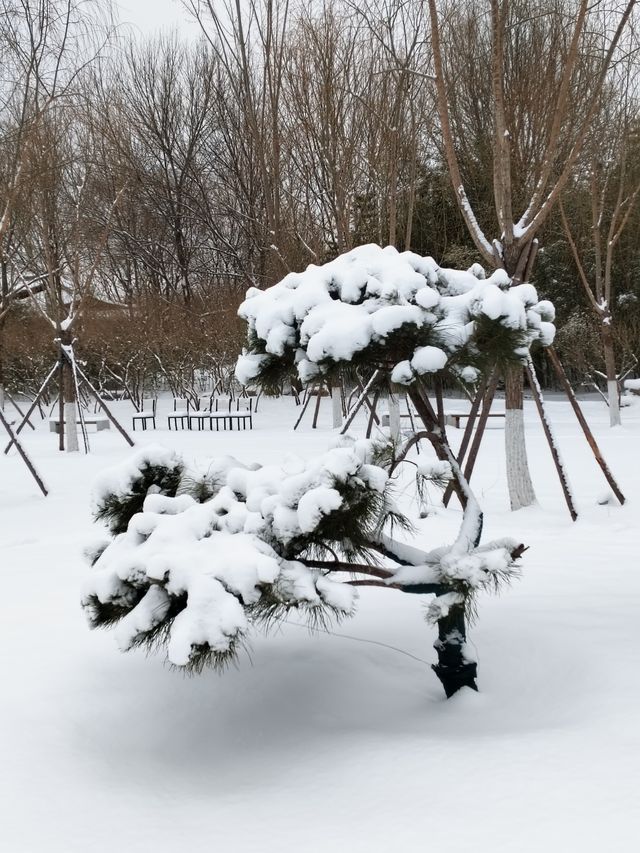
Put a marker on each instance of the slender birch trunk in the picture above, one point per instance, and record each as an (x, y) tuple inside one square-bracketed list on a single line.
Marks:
[(394, 418), (613, 390), (521, 491), (336, 405), (69, 400)]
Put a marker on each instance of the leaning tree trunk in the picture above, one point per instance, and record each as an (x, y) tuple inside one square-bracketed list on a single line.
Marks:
[(613, 390), (454, 668)]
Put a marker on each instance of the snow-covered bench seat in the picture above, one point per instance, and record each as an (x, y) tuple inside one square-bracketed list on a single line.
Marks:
[(201, 419), (384, 417), (98, 421), (453, 418), (632, 385)]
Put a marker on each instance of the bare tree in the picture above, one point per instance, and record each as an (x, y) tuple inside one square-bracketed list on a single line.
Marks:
[(45, 46), (248, 40), (574, 52), (609, 183)]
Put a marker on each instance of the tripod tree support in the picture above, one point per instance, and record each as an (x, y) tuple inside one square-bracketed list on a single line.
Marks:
[(33, 406), (466, 438), (305, 406), (105, 408), (362, 398), (93, 391)]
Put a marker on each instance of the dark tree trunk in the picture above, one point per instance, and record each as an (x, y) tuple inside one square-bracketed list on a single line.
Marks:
[(435, 434), (453, 669)]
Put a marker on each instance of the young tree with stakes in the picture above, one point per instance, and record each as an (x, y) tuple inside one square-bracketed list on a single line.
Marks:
[(517, 50)]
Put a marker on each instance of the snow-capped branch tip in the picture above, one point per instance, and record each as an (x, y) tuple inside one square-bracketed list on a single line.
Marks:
[(397, 312)]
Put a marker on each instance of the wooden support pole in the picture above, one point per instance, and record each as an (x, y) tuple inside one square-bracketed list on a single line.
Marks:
[(412, 422), (372, 413), (364, 396), (21, 451), (19, 410), (568, 390), (305, 406), (487, 400), (343, 399), (539, 401), (316, 412), (482, 425), (438, 441), (107, 411), (440, 403), (31, 409), (468, 431), (471, 420)]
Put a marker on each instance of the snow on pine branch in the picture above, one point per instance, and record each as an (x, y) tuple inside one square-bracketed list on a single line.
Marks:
[(197, 557), (396, 310), (204, 554)]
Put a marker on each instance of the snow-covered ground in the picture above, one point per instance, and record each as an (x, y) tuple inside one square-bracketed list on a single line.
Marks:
[(324, 744)]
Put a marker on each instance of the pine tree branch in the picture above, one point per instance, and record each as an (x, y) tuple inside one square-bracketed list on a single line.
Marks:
[(354, 568)]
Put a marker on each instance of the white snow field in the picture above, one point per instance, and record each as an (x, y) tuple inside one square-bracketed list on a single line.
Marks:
[(325, 744)]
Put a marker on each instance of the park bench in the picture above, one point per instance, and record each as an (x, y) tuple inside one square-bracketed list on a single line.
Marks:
[(201, 418), (222, 412), (453, 418), (98, 421), (211, 410)]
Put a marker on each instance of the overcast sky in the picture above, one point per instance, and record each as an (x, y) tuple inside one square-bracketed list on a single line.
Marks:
[(147, 16)]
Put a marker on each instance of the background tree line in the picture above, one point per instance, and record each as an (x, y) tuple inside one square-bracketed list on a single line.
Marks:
[(146, 184)]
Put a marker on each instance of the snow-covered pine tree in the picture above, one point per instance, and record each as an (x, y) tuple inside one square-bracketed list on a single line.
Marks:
[(201, 558), (397, 313)]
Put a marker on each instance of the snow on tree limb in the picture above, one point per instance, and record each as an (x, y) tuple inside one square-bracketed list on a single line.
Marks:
[(203, 557), (398, 311)]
